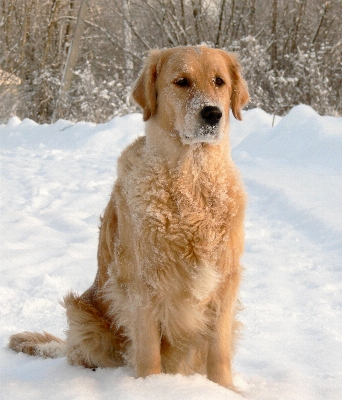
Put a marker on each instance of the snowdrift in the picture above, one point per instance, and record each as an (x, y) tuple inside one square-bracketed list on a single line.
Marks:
[(55, 182)]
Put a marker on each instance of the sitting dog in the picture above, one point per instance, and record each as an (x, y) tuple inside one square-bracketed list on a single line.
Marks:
[(165, 295)]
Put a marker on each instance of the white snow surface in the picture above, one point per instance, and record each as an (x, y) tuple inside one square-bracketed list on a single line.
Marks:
[(55, 182)]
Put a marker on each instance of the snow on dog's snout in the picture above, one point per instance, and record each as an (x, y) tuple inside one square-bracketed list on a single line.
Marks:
[(203, 121)]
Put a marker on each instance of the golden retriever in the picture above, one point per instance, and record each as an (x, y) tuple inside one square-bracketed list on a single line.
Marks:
[(165, 295)]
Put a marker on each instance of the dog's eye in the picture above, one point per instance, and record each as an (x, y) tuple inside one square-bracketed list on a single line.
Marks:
[(182, 82), (219, 81)]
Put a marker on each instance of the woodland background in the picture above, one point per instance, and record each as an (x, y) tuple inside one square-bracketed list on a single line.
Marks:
[(290, 50)]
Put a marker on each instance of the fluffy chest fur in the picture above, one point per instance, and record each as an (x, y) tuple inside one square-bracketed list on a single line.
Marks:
[(181, 221), (182, 212)]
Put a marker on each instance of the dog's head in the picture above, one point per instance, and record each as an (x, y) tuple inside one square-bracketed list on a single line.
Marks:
[(189, 91)]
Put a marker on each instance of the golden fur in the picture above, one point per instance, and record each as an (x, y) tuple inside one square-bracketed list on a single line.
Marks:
[(165, 295)]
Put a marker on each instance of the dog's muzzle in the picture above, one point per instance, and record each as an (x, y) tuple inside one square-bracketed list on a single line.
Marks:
[(202, 124)]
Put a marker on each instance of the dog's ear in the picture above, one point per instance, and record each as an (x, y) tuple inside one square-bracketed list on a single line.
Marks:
[(239, 96), (144, 91)]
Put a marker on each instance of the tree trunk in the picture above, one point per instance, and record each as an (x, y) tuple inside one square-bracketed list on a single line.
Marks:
[(72, 57), (50, 32), (274, 49), (73, 48), (326, 5), (127, 42)]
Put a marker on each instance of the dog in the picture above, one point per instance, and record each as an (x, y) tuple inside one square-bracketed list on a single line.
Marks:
[(165, 296)]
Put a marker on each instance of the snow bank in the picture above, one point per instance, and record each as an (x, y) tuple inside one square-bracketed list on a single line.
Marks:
[(65, 135), (302, 138), (55, 182)]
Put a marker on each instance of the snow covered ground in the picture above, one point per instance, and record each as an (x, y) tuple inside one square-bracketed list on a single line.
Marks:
[(55, 182)]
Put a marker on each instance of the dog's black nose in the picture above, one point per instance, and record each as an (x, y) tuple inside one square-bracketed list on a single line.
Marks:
[(211, 115)]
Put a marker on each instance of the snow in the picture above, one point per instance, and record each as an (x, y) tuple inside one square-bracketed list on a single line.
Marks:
[(55, 182)]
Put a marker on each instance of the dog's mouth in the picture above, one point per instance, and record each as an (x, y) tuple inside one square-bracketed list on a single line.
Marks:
[(204, 135)]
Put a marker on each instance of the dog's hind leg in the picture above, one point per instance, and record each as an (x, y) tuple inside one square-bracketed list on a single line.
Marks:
[(91, 340)]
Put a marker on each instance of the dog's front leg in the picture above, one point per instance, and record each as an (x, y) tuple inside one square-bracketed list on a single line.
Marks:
[(221, 347), (146, 344)]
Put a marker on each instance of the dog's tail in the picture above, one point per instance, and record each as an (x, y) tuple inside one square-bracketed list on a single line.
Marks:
[(38, 344)]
